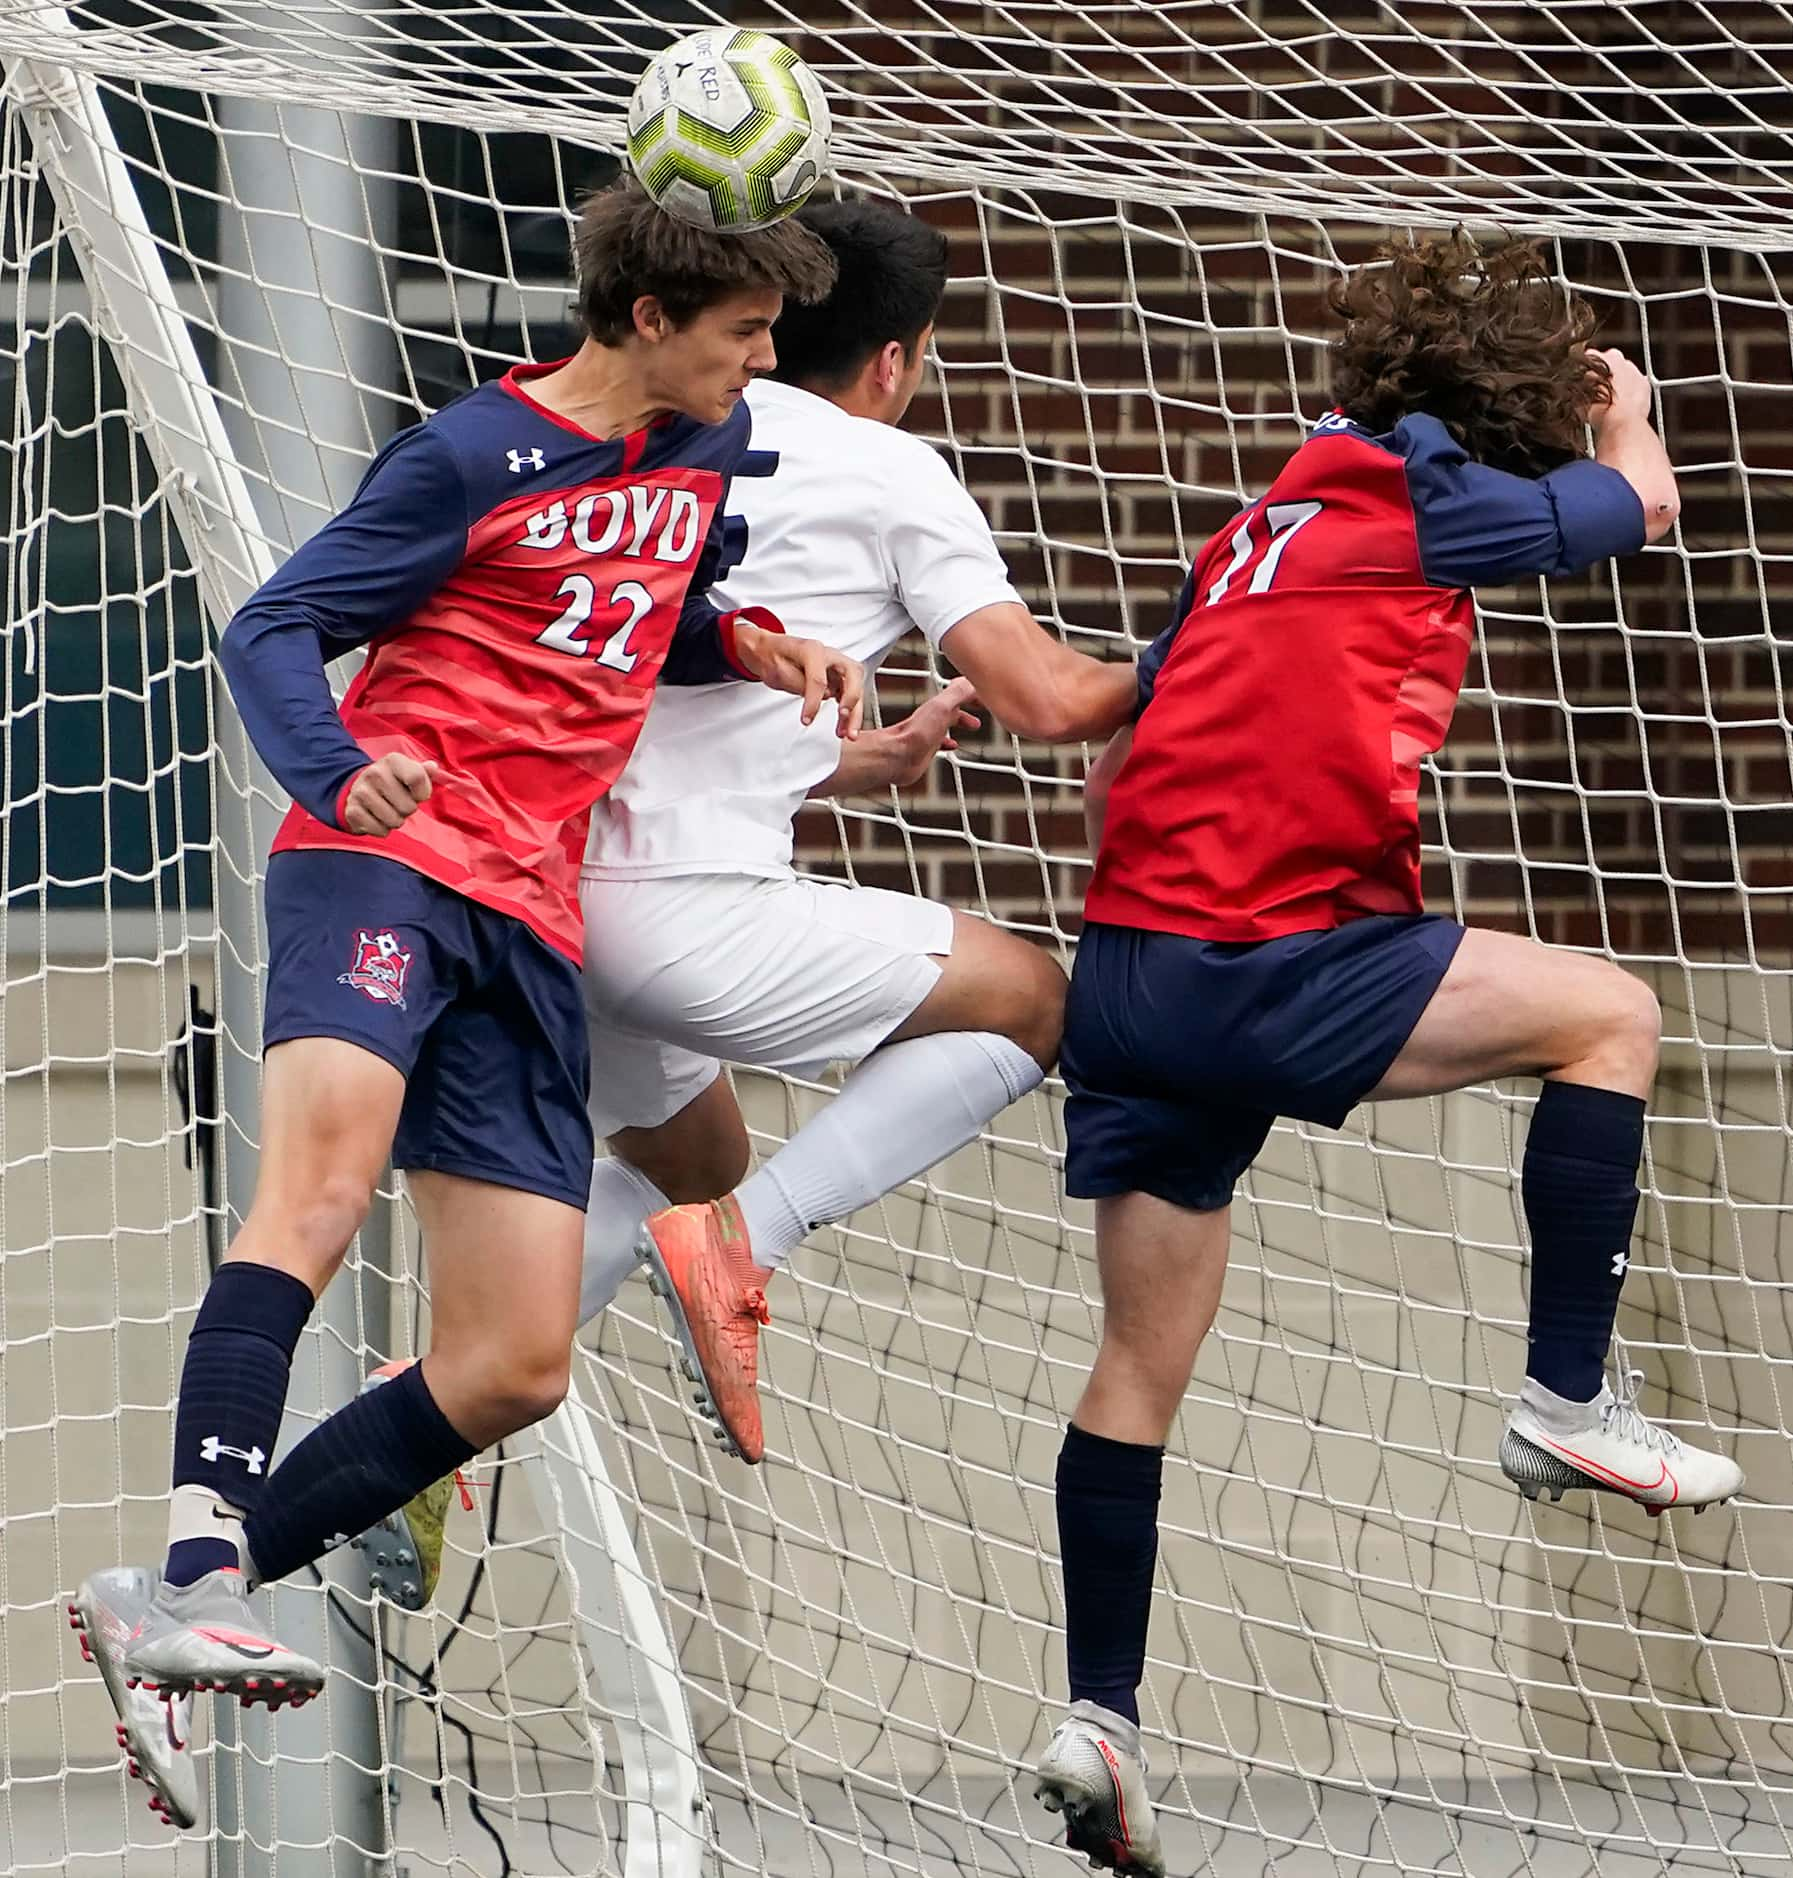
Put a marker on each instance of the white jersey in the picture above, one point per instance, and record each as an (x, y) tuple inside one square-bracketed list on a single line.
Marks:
[(859, 533)]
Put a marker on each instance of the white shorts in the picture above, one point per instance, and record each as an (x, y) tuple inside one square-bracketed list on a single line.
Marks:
[(684, 974)]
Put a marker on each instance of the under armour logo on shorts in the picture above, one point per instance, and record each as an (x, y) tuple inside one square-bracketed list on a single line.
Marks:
[(212, 1448), (520, 460), (1619, 1262)]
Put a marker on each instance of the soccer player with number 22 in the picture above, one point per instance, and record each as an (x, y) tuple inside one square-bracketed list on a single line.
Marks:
[(524, 568), (1255, 944)]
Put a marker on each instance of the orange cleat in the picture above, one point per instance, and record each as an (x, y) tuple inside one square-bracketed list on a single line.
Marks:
[(700, 1260)]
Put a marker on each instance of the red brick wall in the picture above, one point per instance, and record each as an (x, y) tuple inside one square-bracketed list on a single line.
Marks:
[(1116, 376)]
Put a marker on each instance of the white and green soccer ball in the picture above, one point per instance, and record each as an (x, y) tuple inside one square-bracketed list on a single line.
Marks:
[(729, 129)]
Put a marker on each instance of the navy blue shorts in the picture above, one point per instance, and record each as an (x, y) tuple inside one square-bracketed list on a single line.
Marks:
[(484, 1020), (1180, 1053)]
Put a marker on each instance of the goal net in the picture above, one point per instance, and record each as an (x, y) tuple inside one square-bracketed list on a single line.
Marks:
[(242, 245)]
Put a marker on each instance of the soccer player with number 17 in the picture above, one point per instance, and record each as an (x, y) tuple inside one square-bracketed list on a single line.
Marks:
[(524, 568), (1255, 944)]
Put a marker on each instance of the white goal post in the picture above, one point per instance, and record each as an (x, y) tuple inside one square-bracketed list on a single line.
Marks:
[(241, 245), (172, 404)]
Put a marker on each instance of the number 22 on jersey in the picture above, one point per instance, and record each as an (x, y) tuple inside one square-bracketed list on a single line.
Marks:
[(566, 634), (1259, 542)]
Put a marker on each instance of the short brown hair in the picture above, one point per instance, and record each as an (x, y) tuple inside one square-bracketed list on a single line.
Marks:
[(1484, 339), (625, 246)]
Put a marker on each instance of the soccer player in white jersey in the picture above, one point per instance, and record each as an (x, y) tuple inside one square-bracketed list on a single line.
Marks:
[(703, 945)]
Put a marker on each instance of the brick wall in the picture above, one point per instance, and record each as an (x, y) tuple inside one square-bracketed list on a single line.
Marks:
[(1116, 377)]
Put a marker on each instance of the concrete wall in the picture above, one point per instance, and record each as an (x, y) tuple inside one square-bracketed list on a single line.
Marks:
[(1350, 1593)]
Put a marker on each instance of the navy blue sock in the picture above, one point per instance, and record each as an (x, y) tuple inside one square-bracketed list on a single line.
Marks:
[(1108, 1540), (1579, 1183), (354, 1468), (233, 1390)]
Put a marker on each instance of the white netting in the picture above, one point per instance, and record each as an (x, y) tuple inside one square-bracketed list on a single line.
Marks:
[(1367, 1655)]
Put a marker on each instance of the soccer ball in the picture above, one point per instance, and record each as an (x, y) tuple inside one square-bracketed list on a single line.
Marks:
[(728, 129)]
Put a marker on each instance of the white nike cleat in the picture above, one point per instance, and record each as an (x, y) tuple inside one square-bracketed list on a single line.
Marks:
[(155, 1731), (1615, 1449), (1093, 1772), (205, 1636)]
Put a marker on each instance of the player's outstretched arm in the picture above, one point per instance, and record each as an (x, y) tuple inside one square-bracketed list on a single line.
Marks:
[(805, 668), (1625, 440), (899, 755), (1033, 684), (954, 586)]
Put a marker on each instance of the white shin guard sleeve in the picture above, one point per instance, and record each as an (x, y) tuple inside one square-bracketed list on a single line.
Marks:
[(904, 1108), (622, 1196)]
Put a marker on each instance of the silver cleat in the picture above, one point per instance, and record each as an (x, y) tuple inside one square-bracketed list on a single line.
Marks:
[(1093, 1772), (205, 1636), (155, 1730)]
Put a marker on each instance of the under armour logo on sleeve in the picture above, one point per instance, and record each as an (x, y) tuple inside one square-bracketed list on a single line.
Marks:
[(520, 460), (212, 1447)]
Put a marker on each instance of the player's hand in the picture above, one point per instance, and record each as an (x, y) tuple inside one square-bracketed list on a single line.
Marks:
[(928, 729), (807, 669), (1628, 398), (386, 793)]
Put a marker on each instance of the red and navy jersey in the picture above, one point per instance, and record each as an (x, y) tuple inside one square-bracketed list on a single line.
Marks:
[(523, 585), (1313, 660)]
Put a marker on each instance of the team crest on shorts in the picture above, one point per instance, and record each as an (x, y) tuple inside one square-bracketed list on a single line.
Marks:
[(380, 967)]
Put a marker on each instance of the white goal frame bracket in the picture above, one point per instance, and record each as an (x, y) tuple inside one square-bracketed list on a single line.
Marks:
[(632, 1658)]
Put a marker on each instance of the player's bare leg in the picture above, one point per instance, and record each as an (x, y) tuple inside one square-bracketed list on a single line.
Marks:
[(503, 1267), (477, 1335), (1161, 1268), (700, 1154), (1511, 1007), (981, 1037), (993, 981), (329, 1109), (504, 1297), (1508, 1006)]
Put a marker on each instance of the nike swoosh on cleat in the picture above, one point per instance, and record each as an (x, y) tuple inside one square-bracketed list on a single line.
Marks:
[(1618, 1480), (256, 1651), (1114, 1774)]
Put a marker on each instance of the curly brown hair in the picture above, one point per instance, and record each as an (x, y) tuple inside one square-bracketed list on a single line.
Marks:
[(1484, 339), (626, 245)]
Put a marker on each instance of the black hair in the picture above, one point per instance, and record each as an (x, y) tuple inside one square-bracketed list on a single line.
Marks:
[(890, 280)]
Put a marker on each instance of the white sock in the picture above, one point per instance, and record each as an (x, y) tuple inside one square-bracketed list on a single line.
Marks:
[(622, 1196), (199, 1513), (904, 1108)]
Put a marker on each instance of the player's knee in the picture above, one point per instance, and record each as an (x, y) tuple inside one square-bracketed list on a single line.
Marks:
[(528, 1390), (1631, 1029), (691, 1173), (327, 1214), (1143, 1367), (1031, 1009)]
